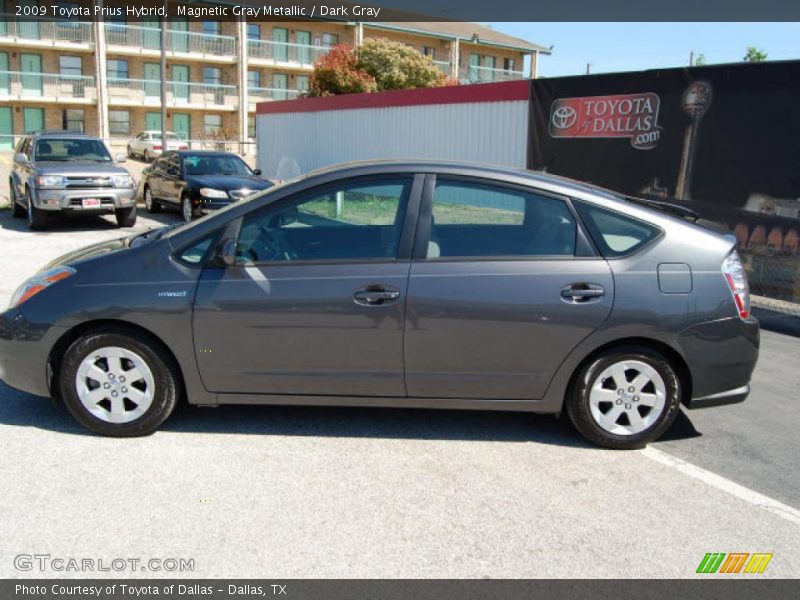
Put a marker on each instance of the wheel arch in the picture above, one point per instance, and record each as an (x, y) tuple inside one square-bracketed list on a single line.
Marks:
[(59, 349), (561, 384), (672, 355)]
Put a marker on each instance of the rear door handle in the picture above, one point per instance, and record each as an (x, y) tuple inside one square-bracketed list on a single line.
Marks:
[(581, 292), (375, 296)]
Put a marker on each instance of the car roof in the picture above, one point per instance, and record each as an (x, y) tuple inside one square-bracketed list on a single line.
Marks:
[(474, 169), (155, 131), (44, 133), (205, 152)]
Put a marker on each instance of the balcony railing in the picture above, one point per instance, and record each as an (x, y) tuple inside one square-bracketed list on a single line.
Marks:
[(47, 86), (443, 66), (179, 93), (472, 74), (284, 52), (260, 94), (187, 42), (35, 30)]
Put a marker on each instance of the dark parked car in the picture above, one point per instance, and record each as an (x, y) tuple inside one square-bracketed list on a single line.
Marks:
[(409, 284), (198, 181)]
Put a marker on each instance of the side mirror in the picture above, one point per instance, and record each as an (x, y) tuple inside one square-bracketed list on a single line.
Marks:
[(120, 158), (172, 171), (227, 252), (20, 157), (257, 172)]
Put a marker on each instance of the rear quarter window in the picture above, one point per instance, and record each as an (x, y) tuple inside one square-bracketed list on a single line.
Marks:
[(614, 233)]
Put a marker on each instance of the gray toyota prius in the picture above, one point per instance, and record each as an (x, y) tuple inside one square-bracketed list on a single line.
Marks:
[(412, 284)]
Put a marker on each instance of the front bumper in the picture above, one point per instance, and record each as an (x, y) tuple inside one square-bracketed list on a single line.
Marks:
[(24, 353), (72, 199)]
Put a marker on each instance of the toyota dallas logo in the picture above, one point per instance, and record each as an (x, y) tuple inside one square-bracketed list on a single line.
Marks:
[(563, 117)]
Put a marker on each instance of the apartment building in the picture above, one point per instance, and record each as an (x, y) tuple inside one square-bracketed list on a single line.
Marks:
[(105, 77)]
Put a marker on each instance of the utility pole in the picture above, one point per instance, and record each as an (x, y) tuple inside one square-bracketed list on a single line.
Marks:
[(588, 68), (164, 80), (691, 58)]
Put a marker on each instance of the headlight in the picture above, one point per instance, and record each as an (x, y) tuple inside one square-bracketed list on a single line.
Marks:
[(122, 181), (39, 282), (212, 193), (50, 180)]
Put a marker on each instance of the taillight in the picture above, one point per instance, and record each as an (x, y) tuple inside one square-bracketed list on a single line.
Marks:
[(733, 270), (156, 147)]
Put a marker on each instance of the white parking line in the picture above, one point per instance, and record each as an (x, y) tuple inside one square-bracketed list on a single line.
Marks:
[(726, 485)]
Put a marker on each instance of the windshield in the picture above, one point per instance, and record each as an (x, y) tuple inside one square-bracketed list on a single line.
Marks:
[(219, 164), (71, 149)]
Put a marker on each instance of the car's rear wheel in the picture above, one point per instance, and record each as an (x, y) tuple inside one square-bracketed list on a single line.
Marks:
[(126, 217), (17, 210), (625, 398), (130, 152), (37, 219), (147, 157), (118, 383), (151, 204)]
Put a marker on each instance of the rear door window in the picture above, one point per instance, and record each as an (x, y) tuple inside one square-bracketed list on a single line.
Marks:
[(615, 234), (472, 219)]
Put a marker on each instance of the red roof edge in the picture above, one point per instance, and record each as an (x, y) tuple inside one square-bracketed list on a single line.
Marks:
[(505, 91)]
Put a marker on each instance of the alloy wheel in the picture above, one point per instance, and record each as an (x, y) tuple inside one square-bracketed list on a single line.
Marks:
[(115, 384), (627, 397), (186, 209), (148, 199)]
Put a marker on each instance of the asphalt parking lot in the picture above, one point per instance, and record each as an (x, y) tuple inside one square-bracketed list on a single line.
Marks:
[(330, 492)]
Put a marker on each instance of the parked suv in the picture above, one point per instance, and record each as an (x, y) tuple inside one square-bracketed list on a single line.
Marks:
[(69, 172)]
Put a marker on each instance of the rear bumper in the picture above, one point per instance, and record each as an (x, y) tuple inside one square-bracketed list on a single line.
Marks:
[(733, 396), (721, 356)]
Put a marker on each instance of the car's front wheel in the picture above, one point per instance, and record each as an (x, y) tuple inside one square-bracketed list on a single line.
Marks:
[(625, 397), (126, 217), (187, 210), (17, 211), (118, 383), (37, 218), (151, 204)]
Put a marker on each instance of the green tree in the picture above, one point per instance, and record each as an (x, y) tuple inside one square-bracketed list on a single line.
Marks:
[(700, 61), (754, 55), (377, 65), (396, 66), (337, 72)]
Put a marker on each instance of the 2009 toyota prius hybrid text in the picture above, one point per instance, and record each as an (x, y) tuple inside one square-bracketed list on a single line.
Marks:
[(413, 284)]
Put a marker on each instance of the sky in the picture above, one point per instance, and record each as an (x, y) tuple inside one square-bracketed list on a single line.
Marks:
[(635, 46)]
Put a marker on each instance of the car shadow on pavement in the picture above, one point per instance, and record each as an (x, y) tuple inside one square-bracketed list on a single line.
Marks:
[(24, 410), (60, 224)]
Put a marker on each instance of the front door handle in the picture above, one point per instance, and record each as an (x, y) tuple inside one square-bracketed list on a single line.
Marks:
[(581, 292), (375, 296)]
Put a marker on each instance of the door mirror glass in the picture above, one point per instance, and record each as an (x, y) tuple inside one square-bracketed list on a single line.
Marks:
[(20, 157), (354, 221), (257, 172)]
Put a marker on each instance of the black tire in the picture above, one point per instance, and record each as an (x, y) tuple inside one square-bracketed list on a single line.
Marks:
[(37, 219), (126, 217), (17, 210), (130, 152), (187, 211), (165, 377), (146, 156), (578, 405), (153, 206)]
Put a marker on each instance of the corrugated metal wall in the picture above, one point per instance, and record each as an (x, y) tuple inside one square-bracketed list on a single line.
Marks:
[(485, 132)]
